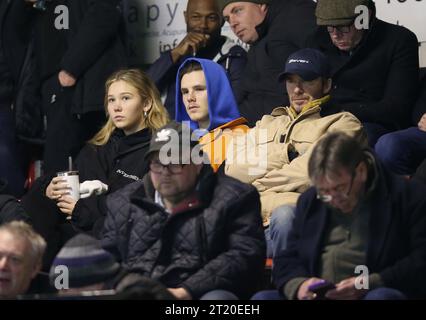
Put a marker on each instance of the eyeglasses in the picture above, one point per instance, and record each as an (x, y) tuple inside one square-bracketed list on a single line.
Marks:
[(339, 191), (340, 29), (158, 167)]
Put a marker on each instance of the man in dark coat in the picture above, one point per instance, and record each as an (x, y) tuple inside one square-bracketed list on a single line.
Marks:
[(403, 151), (274, 29), (78, 46), (15, 33), (198, 233), (203, 40), (375, 64), (360, 227)]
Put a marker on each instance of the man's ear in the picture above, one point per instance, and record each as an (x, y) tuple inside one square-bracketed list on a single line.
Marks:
[(327, 86), (36, 269), (363, 171), (264, 8)]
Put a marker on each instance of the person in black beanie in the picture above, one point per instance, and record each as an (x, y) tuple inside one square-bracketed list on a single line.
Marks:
[(89, 268), (88, 265)]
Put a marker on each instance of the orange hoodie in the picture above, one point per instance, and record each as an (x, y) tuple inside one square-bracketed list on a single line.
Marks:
[(215, 143)]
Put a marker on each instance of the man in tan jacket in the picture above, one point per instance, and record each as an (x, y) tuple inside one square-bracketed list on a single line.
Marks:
[(274, 154)]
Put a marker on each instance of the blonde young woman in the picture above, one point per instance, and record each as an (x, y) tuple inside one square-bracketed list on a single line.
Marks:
[(114, 157)]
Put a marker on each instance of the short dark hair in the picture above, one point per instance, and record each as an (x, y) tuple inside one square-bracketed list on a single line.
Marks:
[(336, 150), (189, 67)]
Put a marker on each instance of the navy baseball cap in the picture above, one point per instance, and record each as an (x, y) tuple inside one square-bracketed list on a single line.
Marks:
[(307, 63)]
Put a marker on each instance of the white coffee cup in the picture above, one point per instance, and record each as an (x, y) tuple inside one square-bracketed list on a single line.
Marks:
[(73, 182)]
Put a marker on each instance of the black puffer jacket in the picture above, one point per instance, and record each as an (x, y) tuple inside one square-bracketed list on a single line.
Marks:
[(214, 241)]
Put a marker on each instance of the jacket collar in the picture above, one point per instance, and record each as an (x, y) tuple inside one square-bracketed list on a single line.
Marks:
[(224, 49), (312, 107), (215, 133), (133, 142), (211, 51), (263, 27)]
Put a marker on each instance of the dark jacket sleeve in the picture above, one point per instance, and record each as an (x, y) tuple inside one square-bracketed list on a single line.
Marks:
[(289, 265), (407, 274), (420, 174), (420, 106), (241, 267), (96, 31), (11, 210), (237, 62), (398, 99), (163, 71), (89, 213)]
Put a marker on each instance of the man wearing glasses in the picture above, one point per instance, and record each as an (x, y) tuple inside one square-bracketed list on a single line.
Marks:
[(198, 233), (375, 65), (357, 215)]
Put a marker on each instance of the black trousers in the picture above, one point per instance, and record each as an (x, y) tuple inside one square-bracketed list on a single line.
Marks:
[(66, 133)]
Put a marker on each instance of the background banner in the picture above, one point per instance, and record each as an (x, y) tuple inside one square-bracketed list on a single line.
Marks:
[(154, 26)]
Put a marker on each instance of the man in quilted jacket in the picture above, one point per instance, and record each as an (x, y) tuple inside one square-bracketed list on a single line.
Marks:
[(198, 233)]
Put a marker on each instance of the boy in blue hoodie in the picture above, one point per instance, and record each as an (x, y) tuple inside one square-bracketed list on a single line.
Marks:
[(204, 97)]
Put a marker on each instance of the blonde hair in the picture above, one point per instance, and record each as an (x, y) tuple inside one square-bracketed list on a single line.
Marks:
[(24, 231), (156, 117)]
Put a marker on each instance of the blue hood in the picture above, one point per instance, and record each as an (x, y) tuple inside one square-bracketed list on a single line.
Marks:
[(222, 105)]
